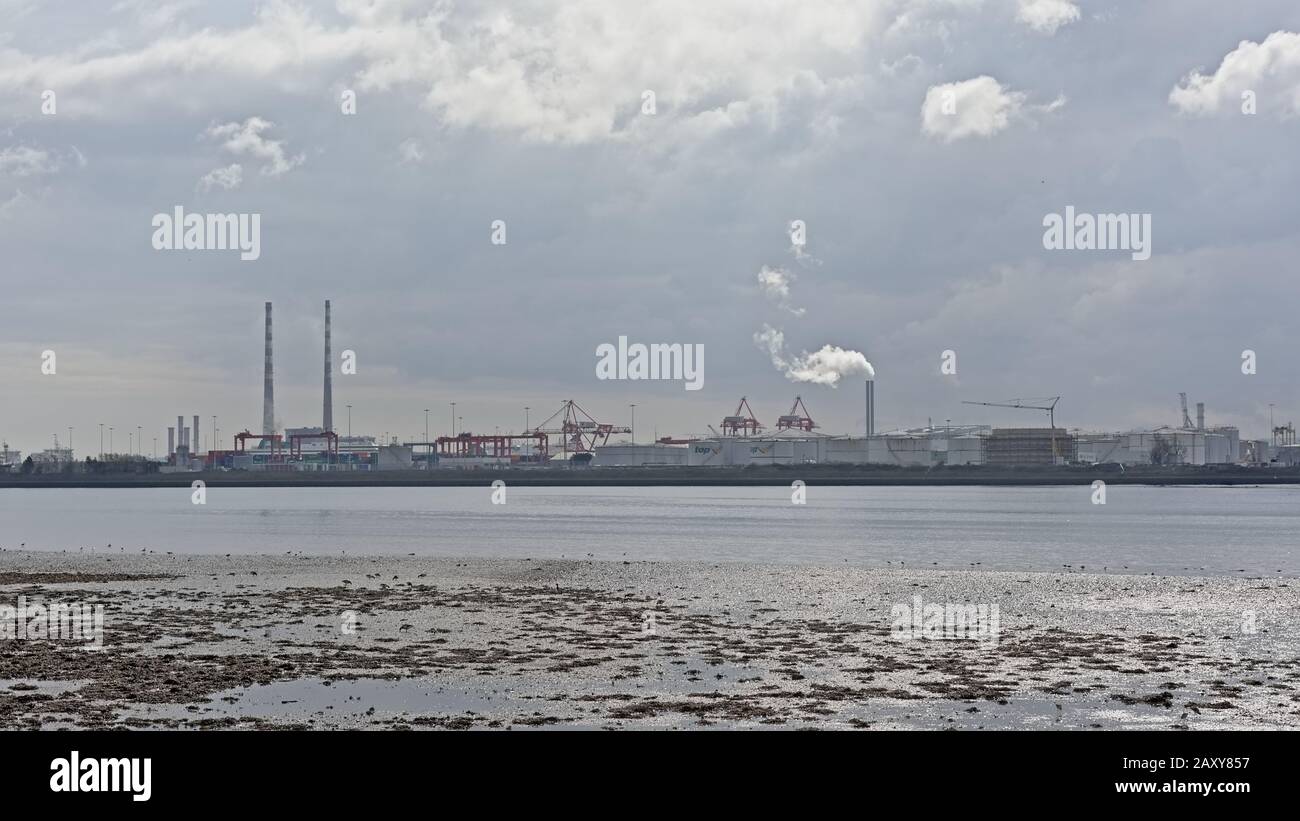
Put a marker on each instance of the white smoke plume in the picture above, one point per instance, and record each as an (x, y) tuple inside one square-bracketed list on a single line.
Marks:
[(775, 283), (823, 367)]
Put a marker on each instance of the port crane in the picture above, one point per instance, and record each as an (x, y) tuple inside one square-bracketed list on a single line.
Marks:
[(737, 425), (1044, 404), (578, 431), (276, 440), (797, 418)]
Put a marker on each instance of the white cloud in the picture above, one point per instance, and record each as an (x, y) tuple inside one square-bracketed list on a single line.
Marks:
[(411, 151), (1046, 16), (12, 204), (979, 107), (245, 139), (553, 71), (826, 366), (229, 177), (1270, 69), (153, 14), (25, 161)]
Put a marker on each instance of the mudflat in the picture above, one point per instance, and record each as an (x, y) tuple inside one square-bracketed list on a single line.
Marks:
[(306, 641)]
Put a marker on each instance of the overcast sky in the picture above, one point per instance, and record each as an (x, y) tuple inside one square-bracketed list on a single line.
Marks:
[(924, 222)]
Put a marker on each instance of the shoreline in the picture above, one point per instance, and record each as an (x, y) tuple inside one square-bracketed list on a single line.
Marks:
[(770, 476), (259, 641)]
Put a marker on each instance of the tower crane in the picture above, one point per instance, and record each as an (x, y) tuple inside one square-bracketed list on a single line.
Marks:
[(1044, 404)]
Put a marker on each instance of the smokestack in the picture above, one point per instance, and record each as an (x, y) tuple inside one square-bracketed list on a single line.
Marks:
[(268, 383), (327, 410), (171, 442), (1200, 416), (871, 406), (180, 432), (198, 443)]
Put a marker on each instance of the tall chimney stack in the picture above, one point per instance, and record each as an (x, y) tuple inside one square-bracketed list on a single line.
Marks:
[(171, 442), (1200, 416), (198, 443), (180, 432), (268, 383), (871, 406), (327, 412)]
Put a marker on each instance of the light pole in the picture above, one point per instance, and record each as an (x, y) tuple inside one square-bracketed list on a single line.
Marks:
[(633, 407), (453, 418), (139, 441), (526, 409), (155, 447), (349, 421), (101, 441), (110, 438), (69, 443), (427, 461)]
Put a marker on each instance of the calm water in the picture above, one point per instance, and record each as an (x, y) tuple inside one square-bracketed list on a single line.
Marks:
[(1167, 530)]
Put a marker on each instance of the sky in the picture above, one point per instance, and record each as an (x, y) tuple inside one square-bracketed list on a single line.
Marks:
[(919, 146)]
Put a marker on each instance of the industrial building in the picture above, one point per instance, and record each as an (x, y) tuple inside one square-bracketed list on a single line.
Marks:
[(743, 442), (1164, 446), (9, 459), (572, 438), (303, 448)]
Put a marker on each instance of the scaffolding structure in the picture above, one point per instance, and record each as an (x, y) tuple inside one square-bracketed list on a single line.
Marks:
[(1030, 446)]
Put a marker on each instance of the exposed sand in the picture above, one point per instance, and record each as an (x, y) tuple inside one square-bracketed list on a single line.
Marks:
[(260, 641)]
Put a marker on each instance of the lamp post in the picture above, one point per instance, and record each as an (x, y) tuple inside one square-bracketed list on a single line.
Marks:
[(633, 407), (527, 445), (349, 421), (101, 441), (453, 418)]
